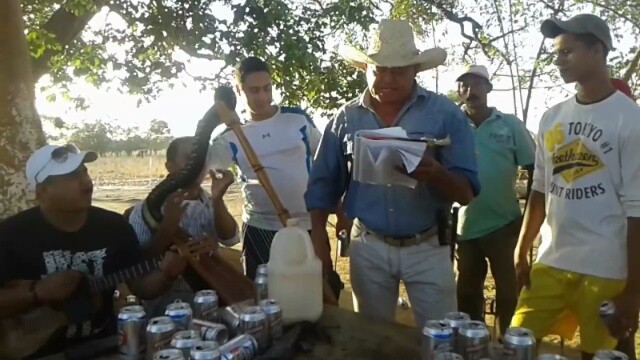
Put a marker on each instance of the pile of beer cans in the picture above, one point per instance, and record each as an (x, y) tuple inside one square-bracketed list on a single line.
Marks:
[(240, 331), (457, 337)]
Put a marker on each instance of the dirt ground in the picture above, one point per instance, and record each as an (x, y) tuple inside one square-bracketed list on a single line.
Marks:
[(121, 182)]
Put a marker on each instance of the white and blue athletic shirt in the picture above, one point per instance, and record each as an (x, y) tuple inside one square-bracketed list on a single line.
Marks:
[(285, 144)]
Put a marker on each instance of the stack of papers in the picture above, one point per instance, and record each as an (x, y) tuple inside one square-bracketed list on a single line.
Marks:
[(377, 154)]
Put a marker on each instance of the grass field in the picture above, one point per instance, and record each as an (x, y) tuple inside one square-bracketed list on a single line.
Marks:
[(122, 181)]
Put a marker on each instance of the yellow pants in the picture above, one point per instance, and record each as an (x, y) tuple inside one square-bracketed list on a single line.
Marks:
[(559, 301)]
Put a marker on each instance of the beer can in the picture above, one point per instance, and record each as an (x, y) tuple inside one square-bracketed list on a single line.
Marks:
[(180, 312), (210, 331), (271, 307), (474, 340), (160, 331), (169, 354), (610, 355), (205, 350), (230, 317), (253, 321), (132, 321), (241, 347), (262, 270), (455, 320), (607, 310), (518, 343), (437, 336), (261, 284), (184, 340), (205, 305), (551, 357), (447, 355)]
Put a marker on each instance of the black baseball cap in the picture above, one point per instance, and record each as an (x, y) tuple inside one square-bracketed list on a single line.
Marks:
[(579, 24)]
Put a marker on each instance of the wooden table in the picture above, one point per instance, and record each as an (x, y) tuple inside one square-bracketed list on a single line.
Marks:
[(355, 337)]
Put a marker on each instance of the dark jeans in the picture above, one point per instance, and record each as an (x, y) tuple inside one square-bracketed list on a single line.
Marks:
[(628, 346), (472, 256), (256, 248)]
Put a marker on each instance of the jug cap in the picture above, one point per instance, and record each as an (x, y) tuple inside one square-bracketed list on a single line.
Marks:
[(293, 222)]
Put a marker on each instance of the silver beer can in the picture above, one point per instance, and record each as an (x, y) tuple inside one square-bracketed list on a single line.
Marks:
[(474, 340), (205, 350), (551, 357), (132, 321), (607, 310), (230, 317), (180, 312), (437, 337), (205, 305), (210, 331), (455, 320), (610, 355), (169, 354), (160, 331), (184, 340), (518, 343), (261, 284), (253, 321), (448, 356), (241, 347), (262, 270), (272, 309)]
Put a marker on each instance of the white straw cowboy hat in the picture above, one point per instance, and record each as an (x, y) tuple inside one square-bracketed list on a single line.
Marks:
[(392, 44)]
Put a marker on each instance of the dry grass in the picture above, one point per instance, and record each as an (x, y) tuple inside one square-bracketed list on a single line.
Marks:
[(121, 181)]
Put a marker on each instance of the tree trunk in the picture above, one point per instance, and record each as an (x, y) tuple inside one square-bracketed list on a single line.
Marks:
[(20, 127)]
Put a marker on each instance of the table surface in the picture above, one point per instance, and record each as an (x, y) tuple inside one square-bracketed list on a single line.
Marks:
[(356, 337)]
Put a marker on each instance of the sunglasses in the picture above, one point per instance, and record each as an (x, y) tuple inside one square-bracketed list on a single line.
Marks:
[(60, 156)]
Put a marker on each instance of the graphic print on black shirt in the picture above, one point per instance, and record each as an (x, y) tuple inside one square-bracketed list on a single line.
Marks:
[(31, 249)]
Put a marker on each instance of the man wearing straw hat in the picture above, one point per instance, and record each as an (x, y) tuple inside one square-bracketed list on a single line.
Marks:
[(394, 232)]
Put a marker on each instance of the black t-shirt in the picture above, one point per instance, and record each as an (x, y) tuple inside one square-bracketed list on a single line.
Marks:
[(31, 248)]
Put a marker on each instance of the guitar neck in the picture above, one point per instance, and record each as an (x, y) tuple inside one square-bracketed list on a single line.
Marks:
[(110, 281)]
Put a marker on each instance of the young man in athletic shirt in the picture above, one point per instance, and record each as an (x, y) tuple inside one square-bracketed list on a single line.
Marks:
[(285, 140), (48, 249), (200, 213), (585, 200)]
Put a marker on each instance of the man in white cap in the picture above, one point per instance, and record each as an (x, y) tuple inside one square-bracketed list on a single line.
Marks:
[(394, 235), (488, 227), (585, 200), (48, 249)]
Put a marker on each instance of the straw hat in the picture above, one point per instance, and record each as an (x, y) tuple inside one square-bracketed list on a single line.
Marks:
[(392, 44)]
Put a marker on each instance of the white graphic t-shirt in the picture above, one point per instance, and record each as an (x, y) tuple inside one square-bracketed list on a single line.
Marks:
[(285, 145), (588, 167)]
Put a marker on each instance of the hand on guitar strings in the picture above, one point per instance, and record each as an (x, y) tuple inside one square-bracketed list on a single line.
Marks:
[(220, 182), (172, 265), (57, 288)]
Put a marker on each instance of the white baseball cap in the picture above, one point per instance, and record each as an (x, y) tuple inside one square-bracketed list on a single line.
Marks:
[(52, 160), (478, 70)]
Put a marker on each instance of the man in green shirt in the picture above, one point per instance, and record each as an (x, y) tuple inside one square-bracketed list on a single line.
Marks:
[(488, 227)]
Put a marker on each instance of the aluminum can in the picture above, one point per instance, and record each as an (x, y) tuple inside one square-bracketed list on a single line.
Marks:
[(180, 312), (241, 347), (205, 305), (551, 357), (261, 283), (262, 270), (210, 331), (132, 321), (230, 317), (474, 340), (160, 331), (169, 354), (205, 350), (253, 321), (437, 337), (271, 307), (184, 340), (518, 343), (607, 310), (610, 355), (448, 356), (455, 320)]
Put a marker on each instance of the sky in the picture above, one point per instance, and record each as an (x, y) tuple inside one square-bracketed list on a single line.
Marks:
[(184, 104)]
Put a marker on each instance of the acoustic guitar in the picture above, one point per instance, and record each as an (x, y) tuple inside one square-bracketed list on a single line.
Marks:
[(25, 334)]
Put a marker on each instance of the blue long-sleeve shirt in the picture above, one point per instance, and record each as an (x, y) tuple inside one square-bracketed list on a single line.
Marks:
[(390, 210)]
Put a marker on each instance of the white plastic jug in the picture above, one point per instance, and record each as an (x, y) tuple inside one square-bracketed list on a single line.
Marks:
[(295, 274)]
